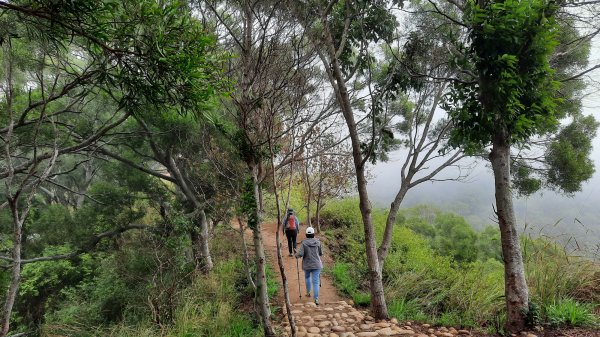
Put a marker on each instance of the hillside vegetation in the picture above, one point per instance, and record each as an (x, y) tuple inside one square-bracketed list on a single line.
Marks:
[(441, 270)]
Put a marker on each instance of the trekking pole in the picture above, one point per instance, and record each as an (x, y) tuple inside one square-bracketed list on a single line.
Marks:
[(298, 272)]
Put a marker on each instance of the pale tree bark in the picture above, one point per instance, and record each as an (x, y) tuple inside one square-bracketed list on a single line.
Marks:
[(334, 72), (262, 295), (419, 164), (204, 242), (307, 183), (319, 197), (199, 234), (246, 256), (516, 292), (286, 292)]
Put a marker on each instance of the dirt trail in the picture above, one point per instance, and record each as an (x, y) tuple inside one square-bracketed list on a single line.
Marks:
[(327, 292)]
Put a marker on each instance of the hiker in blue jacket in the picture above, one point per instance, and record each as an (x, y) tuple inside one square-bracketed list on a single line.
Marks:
[(311, 252), (291, 227)]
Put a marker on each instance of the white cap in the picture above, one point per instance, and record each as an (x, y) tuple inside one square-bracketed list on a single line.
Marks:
[(310, 230)]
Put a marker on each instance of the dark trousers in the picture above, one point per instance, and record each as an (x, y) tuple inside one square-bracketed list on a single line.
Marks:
[(291, 235)]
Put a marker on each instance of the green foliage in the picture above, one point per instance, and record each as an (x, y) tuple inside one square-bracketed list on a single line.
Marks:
[(514, 90), (455, 238), (347, 283), (572, 313), (406, 310), (249, 204), (369, 21), (526, 184), (568, 155), (532, 315), (342, 213), (450, 274), (553, 275), (46, 276), (150, 290)]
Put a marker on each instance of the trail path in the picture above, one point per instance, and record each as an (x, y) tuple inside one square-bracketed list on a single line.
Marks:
[(327, 292), (335, 317)]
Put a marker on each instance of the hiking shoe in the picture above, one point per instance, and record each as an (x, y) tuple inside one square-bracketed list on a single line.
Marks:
[(316, 301), (307, 294), (290, 255)]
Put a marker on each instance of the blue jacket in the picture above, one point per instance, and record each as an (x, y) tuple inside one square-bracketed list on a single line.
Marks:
[(286, 221)]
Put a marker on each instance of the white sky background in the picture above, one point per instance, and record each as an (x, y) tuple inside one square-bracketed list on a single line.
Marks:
[(546, 213)]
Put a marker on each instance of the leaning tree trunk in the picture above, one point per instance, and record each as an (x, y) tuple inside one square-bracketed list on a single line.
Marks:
[(516, 292), (378, 304), (284, 281), (199, 238), (198, 235), (386, 242), (318, 210)]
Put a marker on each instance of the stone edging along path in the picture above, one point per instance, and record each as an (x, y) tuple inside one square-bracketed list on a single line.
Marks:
[(340, 319)]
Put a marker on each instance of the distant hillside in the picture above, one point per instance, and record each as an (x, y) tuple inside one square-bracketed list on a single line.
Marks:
[(573, 221)]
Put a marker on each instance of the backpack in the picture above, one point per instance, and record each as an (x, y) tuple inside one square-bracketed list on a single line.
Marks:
[(291, 222)]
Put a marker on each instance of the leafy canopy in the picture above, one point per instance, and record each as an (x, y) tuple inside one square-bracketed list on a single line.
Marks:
[(514, 90)]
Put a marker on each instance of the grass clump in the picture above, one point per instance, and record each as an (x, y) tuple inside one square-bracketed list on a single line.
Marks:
[(569, 312), (348, 285)]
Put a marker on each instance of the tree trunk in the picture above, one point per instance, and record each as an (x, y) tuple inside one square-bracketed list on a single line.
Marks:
[(200, 249), (378, 304), (308, 195), (15, 278), (319, 195), (284, 281), (199, 236), (261, 202), (206, 262), (246, 256), (389, 224), (261, 263), (516, 292), (318, 211)]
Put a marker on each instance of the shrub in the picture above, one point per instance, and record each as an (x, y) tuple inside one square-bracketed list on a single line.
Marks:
[(571, 312)]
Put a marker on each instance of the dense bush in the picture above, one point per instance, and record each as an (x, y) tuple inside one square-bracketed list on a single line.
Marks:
[(149, 289), (440, 270)]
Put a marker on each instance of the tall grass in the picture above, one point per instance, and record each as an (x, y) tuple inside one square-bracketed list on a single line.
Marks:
[(424, 285), (553, 275)]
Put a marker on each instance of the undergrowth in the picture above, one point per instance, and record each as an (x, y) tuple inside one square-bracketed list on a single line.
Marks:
[(208, 305)]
